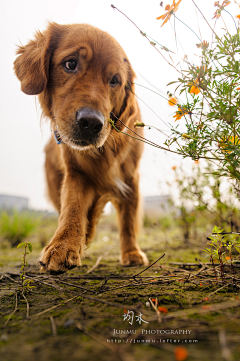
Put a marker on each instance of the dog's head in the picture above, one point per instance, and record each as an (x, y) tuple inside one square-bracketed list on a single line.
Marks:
[(82, 77)]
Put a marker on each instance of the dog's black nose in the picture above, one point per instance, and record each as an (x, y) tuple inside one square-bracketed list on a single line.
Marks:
[(90, 121)]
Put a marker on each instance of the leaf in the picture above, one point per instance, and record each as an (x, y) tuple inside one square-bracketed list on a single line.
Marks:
[(172, 82), (30, 247), (20, 245)]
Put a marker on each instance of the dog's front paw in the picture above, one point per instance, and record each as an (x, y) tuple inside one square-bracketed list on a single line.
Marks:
[(58, 257), (134, 258)]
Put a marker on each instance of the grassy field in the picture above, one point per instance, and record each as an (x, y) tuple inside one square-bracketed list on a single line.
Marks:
[(175, 310)]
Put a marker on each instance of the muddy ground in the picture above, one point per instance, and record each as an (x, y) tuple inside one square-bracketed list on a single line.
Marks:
[(106, 312)]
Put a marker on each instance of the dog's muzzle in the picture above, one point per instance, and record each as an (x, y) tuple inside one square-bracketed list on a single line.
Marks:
[(89, 122)]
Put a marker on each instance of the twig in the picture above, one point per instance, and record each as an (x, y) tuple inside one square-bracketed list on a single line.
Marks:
[(201, 269), (212, 293), (129, 285), (98, 261), (154, 306), (53, 326), (10, 278), (203, 309), (148, 266), (27, 317), (45, 283), (185, 264), (118, 305), (71, 284), (145, 35), (225, 351), (52, 308), (15, 309), (207, 21)]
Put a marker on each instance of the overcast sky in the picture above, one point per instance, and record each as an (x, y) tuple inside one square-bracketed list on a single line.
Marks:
[(22, 139)]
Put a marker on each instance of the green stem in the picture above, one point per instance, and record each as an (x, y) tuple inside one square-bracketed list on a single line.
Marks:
[(187, 26), (232, 18), (207, 23)]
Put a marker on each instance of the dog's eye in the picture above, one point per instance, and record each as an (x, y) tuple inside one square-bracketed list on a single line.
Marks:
[(114, 81), (70, 65)]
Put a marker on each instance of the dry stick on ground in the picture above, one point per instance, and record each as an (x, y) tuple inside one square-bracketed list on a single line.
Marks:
[(45, 283), (154, 306), (195, 274), (128, 285), (212, 293), (70, 284), (119, 352), (225, 351), (15, 309), (202, 309), (25, 298), (185, 264), (53, 326), (52, 308), (89, 298), (5, 275), (98, 261), (148, 266)]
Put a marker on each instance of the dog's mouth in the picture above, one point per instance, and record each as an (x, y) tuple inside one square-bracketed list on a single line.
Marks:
[(76, 143), (88, 130)]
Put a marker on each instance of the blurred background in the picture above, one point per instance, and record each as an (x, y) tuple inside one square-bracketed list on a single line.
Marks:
[(22, 137)]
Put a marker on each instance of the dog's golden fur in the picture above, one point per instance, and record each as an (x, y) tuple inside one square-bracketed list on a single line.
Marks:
[(83, 176)]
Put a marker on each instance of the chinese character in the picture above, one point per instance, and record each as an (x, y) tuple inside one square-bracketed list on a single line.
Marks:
[(128, 316), (139, 318)]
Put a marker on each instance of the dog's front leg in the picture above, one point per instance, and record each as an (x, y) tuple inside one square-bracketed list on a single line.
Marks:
[(129, 218), (67, 245)]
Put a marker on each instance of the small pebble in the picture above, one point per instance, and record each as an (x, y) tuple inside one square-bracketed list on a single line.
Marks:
[(4, 337), (147, 304), (69, 323)]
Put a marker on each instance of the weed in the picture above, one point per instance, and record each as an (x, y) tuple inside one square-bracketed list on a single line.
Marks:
[(16, 226), (26, 284), (219, 245)]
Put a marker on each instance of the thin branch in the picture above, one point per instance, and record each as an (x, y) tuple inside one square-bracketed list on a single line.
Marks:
[(148, 266), (25, 298), (98, 261), (15, 309), (53, 326)]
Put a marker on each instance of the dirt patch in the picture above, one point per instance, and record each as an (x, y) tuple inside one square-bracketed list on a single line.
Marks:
[(106, 313)]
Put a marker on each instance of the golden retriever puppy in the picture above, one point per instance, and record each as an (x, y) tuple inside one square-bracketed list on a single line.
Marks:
[(83, 78)]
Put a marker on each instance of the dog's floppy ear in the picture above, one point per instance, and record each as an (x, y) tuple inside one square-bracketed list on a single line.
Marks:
[(129, 106), (32, 65)]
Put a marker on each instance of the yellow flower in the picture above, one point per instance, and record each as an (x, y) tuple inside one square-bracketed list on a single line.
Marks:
[(180, 113), (194, 88), (170, 10), (224, 144), (172, 100)]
